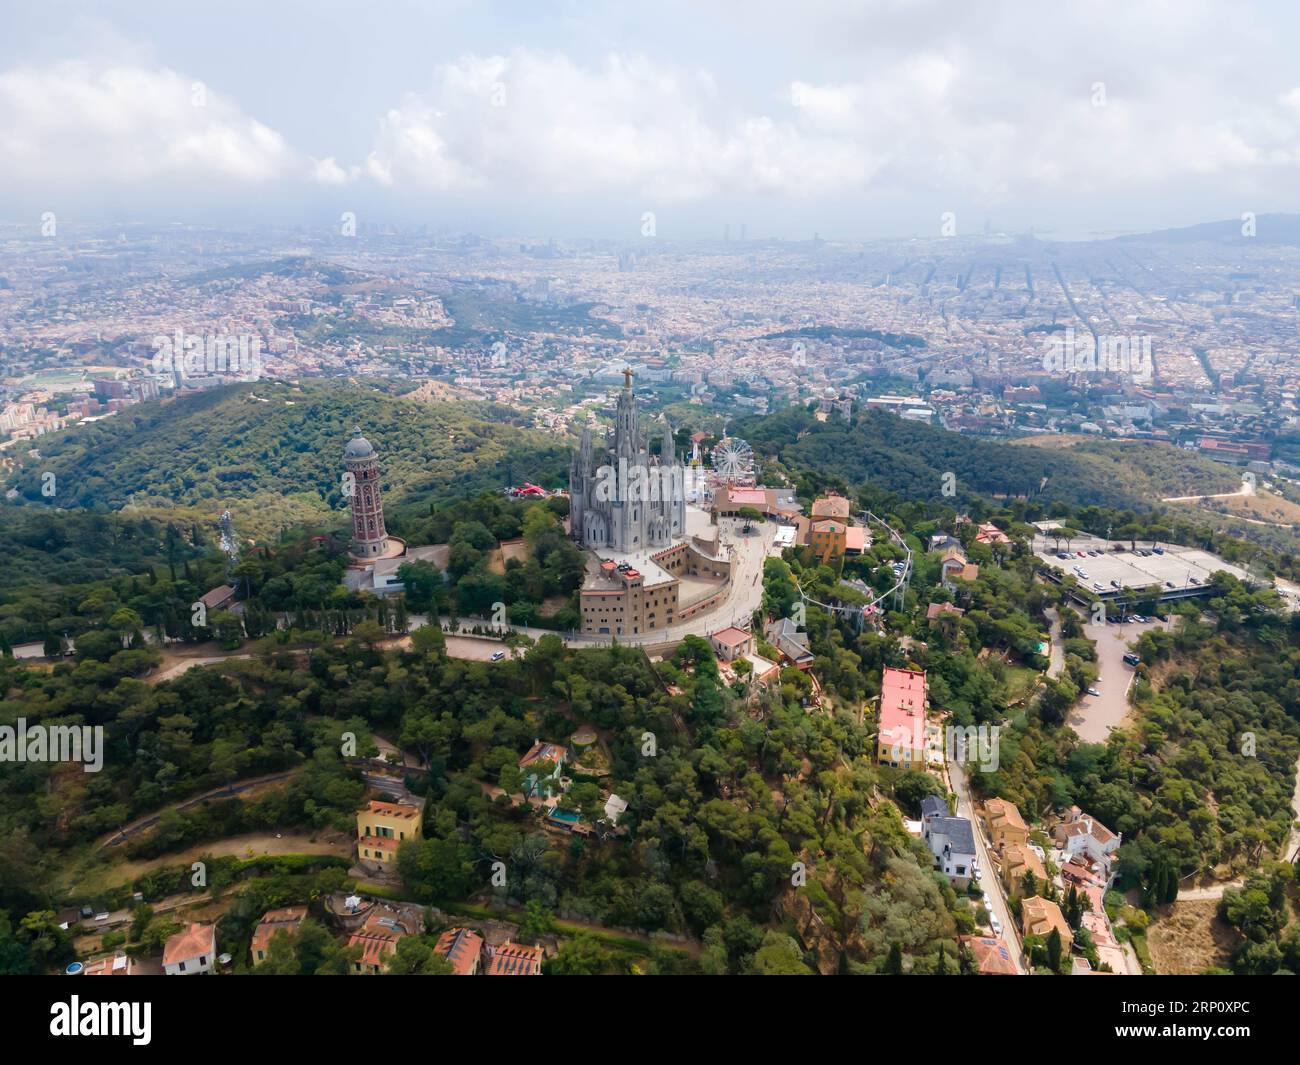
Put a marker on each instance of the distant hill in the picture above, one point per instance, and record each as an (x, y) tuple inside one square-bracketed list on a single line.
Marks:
[(280, 441), (299, 267), (1269, 229), (911, 458)]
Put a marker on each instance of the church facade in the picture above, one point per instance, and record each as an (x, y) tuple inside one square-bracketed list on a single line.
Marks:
[(627, 508), (621, 498)]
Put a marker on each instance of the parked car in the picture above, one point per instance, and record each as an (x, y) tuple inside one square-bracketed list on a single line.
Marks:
[(498, 655), (1093, 691), (1193, 580), (1097, 586), (1131, 659), (1140, 619), (1158, 550), (1116, 584)]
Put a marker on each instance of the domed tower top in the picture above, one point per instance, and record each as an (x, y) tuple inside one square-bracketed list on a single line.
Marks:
[(361, 485), (358, 447)]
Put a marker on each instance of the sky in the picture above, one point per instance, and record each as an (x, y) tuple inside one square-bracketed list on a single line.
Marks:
[(881, 118)]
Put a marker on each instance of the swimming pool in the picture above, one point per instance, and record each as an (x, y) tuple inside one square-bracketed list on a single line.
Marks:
[(569, 817)]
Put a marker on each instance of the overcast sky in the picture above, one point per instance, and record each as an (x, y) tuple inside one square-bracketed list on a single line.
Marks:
[(537, 119)]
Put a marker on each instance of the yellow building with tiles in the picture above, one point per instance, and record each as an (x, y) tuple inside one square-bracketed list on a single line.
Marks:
[(383, 826)]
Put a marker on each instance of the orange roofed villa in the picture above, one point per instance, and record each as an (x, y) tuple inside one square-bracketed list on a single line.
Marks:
[(382, 827)]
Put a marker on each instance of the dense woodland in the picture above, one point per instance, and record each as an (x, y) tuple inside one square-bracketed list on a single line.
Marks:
[(758, 826)]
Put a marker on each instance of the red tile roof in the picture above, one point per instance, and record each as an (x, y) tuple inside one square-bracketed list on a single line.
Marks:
[(991, 955), (376, 941), (392, 809), (199, 940), (552, 752), (286, 919), (515, 959), (461, 947), (731, 636)]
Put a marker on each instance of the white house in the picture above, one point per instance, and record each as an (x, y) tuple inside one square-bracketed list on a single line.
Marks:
[(952, 842), (1082, 835), (192, 952), (615, 808)]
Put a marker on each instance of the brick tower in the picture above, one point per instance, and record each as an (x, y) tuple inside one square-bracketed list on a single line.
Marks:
[(369, 537)]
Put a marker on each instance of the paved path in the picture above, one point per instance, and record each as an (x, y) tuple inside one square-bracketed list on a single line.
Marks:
[(1056, 648), (1096, 716), (991, 885)]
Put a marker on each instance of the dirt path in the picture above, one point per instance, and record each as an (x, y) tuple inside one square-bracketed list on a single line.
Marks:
[(174, 671), (252, 845), (1293, 844), (1211, 892), (239, 787), (1244, 490), (1056, 652)]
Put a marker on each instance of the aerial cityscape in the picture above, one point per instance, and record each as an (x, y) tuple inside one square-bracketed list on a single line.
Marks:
[(599, 518)]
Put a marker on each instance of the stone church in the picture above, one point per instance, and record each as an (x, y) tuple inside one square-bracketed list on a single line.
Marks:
[(621, 498)]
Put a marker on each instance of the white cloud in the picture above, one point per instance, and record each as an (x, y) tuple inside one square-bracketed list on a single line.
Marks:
[(328, 172), (104, 123), (936, 117), (538, 124)]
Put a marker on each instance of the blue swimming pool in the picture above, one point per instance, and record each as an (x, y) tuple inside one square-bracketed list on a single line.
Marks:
[(569, 817)]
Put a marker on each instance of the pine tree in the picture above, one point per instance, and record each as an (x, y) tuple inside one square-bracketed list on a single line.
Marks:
[(1073, 908), (1054, 950)]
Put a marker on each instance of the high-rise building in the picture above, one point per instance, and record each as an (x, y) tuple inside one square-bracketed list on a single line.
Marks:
[(369, 537)]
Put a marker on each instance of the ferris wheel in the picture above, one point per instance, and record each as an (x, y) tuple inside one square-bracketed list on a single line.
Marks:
[(733, 459)]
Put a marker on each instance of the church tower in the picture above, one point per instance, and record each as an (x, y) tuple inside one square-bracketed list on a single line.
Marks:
[(620, 498), (369, 537)]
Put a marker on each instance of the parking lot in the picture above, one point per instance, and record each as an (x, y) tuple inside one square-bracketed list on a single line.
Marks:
[(1178, 571)]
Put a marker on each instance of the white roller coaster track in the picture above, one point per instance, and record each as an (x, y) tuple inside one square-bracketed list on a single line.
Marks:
[(868, 518)]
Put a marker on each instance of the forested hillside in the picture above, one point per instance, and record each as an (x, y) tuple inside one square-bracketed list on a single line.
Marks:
[(281, 440), (911, 459)]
